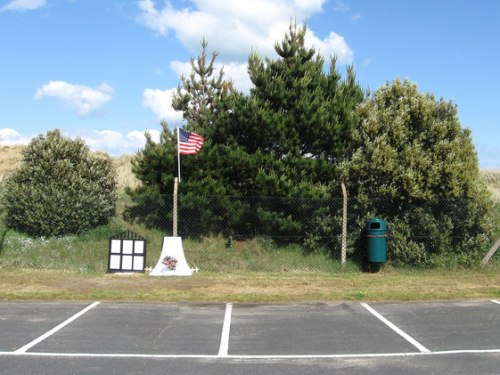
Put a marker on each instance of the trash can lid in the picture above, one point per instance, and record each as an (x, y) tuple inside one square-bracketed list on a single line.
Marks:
[(376, 224)]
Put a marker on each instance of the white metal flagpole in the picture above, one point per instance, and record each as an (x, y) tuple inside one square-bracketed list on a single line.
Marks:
[(178, 155), (174, 214)]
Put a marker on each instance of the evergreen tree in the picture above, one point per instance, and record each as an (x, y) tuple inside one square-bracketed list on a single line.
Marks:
[(155, 167), (284, 139), (289, 134), (156, 163), (200, 96), (306, 112)]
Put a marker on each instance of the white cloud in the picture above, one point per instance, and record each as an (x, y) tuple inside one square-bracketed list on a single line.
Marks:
[(341, 6), (332, 45), (367, 61), (10, 137), (21, 5), (181, 68), (238, 73), (160, 102), (83, 99), (139, 138), (115, 142), (356, 17), (234, 28), (105, 139)]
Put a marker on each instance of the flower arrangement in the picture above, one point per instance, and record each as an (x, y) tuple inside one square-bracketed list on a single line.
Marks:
[(170, 262)]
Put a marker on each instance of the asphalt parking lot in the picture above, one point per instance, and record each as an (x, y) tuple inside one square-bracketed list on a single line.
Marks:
[(453, 337)]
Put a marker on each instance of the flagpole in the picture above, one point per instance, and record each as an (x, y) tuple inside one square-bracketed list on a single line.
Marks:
[(178, 155)]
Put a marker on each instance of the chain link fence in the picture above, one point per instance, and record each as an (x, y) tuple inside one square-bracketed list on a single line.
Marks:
[(417, 232), (266, 234)]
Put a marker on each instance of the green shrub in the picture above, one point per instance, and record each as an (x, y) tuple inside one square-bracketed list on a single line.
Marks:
[(412, 152), (60, 188)]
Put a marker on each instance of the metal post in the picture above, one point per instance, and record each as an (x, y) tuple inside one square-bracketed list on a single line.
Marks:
[(178, 155), (174, 213)]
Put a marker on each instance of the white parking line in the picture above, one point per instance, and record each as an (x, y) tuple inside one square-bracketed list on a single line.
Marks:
[(400, 332), (224, 340), (27, 347), (495, 301), (243, 356)]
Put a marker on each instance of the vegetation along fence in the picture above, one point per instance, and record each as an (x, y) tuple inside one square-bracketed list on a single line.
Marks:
[(266, 234)]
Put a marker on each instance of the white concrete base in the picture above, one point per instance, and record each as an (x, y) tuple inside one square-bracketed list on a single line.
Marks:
[(172, 247)]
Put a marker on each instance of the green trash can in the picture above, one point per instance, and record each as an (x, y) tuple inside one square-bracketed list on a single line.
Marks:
[(376, 233)]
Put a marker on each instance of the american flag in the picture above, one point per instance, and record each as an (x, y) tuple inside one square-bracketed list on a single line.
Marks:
[(189, 143)]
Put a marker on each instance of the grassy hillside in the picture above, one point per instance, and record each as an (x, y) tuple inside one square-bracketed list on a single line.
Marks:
[(492, 179), (11, 157), (125, 176)]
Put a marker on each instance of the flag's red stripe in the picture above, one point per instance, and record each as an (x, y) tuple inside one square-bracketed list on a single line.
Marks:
[(192, 145)]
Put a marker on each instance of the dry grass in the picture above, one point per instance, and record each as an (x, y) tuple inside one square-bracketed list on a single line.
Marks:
[(387, 285), (125, 177), (492, 179), (11, 158)]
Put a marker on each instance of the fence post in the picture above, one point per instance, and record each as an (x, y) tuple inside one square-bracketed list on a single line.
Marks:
[(490, 253), (174, 213), (344, 225)]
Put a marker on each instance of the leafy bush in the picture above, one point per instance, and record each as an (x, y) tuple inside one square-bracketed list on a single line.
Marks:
[(60, 188), (412, 151)]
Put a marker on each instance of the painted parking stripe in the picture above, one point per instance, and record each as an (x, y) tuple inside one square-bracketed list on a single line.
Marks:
[(264, 357), (400, 332), (495, 301), (224, 341), (28, 346)]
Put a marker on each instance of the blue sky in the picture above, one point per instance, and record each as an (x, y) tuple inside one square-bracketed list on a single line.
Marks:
[(104, 70)]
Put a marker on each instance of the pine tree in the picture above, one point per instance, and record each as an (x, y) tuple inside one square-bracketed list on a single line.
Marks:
[(156, 163), (300, 115), (199, 97), (284, 139)]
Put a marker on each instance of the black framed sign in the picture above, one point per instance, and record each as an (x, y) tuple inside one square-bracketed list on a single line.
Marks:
[(127, 253)]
